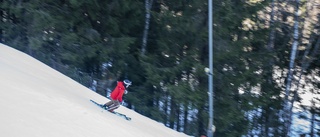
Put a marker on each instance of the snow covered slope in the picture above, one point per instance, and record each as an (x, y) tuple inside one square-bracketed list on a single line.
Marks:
[(37, 101)]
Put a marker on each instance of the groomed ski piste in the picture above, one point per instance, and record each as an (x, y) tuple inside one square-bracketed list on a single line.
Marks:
[(38, 101)]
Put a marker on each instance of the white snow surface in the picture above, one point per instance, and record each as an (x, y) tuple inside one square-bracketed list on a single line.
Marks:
[(38, 101)]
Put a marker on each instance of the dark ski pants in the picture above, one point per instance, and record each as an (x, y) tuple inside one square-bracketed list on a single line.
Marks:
[(112, 105)]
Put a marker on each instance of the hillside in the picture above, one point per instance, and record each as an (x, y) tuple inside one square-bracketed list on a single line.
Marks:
[(37, 101)]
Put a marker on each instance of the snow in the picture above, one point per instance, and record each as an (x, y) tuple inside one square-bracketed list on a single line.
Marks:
[(38, 101)]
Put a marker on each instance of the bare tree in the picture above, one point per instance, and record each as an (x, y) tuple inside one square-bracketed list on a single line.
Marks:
[(287, 113), (307, 57)]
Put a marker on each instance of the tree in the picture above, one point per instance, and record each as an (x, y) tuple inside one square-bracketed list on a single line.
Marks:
[(148, 5)]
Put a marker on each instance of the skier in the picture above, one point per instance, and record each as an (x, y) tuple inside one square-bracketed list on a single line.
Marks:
[(116, 95)]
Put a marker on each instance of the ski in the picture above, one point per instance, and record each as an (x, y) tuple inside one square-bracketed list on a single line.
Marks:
[(113, 112)]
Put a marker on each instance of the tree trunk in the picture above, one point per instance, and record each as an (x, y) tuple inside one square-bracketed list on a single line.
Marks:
[(185, 118), (265, 132), (178, 113), (269, 68), (166, 106), (172, 113), (272, 31), (148, 5), (287, 113), (313, 118)]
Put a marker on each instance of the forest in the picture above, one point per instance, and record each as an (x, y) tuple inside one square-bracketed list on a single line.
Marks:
[(266, 58)]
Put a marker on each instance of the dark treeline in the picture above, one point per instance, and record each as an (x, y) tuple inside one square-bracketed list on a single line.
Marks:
[(162, 46)]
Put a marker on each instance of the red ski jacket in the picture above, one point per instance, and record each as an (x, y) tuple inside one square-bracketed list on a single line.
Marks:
[(118, 92)]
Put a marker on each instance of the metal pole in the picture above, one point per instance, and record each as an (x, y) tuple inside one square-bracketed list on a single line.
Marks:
[(210, 94)]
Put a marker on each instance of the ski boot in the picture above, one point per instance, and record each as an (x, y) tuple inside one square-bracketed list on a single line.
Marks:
[(104, 106)]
